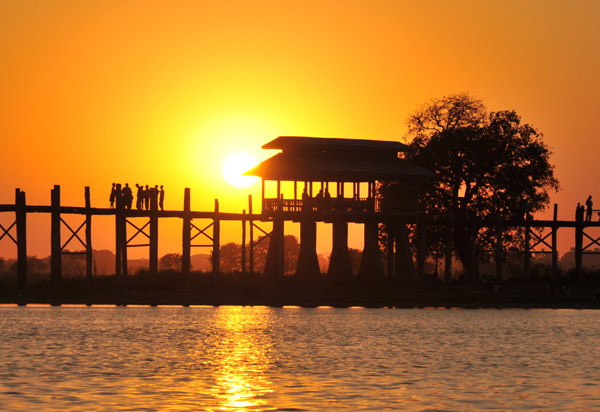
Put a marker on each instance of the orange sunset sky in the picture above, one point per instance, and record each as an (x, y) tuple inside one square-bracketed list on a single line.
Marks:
[(161, 92)]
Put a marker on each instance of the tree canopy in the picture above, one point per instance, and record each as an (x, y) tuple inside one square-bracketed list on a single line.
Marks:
[(487, 164)]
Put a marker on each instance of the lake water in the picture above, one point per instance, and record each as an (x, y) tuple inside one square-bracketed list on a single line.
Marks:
[(294, 359)]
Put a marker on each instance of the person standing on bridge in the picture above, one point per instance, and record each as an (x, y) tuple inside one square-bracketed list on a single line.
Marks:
[(161, 198), (113, 196), (139, 201), (588, 210)]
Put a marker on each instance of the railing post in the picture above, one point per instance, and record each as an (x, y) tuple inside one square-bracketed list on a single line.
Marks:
[(21, 219), (55, 246)]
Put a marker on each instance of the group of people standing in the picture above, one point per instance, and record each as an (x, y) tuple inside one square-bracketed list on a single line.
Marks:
[(589, 208), (143, 196)]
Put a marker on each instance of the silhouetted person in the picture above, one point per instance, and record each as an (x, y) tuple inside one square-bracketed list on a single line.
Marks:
[(139, 200), (161, 198), (578, 213), (305, 199), (127, 196), (154, 196), (588, 210), (113, 195), (147, 197), (327, 200)]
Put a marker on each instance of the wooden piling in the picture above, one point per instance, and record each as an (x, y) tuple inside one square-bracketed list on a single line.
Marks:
[(251, 257), (244, 241), (88, 239), (187, 232), (55, 246), (579, 243), (153, 257), (216, 256), (120, 234), (21, 222), (555, 243)]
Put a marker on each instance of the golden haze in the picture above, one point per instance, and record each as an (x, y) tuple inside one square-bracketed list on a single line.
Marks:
[(161, 93)]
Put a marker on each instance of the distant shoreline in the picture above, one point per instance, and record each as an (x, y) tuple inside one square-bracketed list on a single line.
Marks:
[(243, 290)]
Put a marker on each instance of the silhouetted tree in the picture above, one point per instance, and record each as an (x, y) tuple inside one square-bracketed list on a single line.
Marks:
[(488, 165), (170, 261)]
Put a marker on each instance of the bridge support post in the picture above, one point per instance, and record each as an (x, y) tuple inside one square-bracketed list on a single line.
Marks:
[(340, 267), (89, 259), (186, 234), (308, 263), (555, 244), (274, 262), (153, 258), (120, 235), (371, 266), (251, 243), (55, 246), (579, 243), (216, 255), (21, 221)]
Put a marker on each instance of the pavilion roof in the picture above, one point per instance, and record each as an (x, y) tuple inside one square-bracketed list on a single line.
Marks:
[(296, 143), (367, 160)]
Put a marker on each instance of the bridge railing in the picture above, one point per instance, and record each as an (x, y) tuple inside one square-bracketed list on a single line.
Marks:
[(329, 205)]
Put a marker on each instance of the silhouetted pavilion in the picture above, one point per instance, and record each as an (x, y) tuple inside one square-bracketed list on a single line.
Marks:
[(333, 165)]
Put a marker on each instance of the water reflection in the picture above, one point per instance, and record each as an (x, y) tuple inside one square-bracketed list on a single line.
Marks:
[(240, 353)]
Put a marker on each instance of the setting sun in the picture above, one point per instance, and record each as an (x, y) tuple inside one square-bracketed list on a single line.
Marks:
[(235, 165)]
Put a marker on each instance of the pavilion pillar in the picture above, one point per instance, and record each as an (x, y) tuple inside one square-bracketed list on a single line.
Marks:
[(274, 262), (308, 263), (371, 266), (340, 266)]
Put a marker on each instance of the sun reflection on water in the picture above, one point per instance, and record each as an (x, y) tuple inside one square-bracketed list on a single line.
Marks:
[(241, 358)]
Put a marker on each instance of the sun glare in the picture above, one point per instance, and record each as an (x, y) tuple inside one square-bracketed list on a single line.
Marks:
[(235, 165)]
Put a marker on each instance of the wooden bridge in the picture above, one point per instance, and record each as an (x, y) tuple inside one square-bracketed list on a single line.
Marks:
[(542, 240)]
